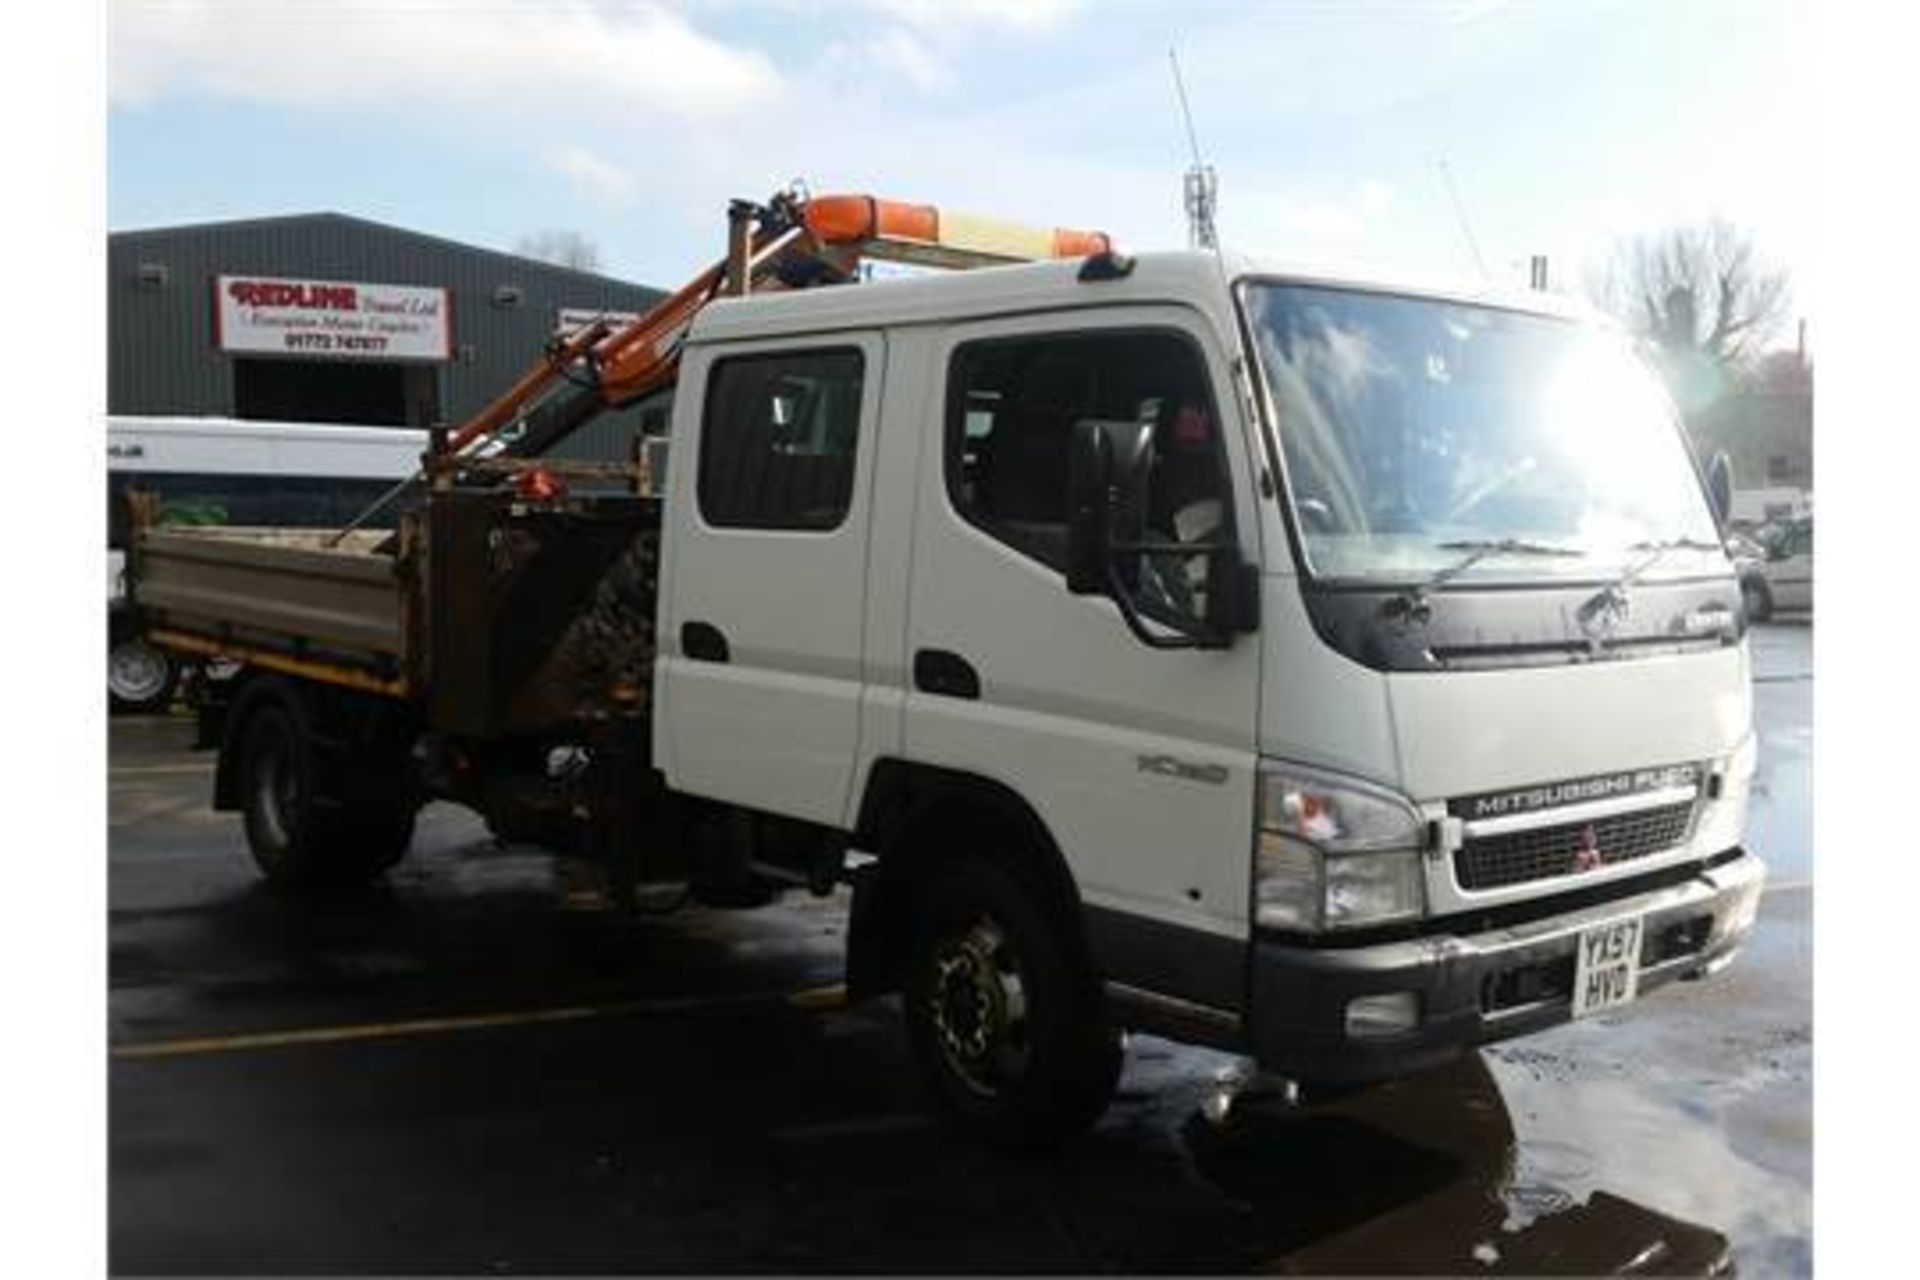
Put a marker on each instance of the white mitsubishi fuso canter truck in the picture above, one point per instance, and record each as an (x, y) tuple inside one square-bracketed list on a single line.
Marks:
[(1338, 674)]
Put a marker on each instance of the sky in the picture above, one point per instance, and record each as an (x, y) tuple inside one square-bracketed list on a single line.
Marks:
[(1334, 127)]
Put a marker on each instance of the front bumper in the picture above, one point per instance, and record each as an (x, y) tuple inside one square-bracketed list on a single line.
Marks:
[(1475, 988)]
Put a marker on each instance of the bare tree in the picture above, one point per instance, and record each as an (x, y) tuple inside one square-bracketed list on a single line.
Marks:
[(1702, 294), (562, 248)]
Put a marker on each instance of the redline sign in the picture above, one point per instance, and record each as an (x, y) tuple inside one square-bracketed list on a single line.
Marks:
[(337, 319)]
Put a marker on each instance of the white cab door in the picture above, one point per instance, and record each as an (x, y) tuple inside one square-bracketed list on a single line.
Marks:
[(764, 570), (1139, 761)]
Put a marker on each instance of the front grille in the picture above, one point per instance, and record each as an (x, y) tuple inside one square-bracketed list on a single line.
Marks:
[(1541, 853)]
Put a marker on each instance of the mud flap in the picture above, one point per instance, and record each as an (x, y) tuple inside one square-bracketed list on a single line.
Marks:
[(873, 937)]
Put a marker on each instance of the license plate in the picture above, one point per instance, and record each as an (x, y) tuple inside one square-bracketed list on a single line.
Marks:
[(1606, 973)]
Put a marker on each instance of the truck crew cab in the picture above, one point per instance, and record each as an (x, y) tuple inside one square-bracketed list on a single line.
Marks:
[(1340, 674)]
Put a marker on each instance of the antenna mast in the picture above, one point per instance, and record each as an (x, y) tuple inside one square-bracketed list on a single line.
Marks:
[(1202, 188), (1460, 212)]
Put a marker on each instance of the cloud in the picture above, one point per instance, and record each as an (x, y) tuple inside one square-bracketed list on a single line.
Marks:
[(565, 56), (899, 50), (1318, 218), (594, 173), (1022, 15), (917, 41), (1474, 10), (894, 52)]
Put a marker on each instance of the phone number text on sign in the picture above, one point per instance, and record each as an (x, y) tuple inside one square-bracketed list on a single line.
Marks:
[(330, 317)]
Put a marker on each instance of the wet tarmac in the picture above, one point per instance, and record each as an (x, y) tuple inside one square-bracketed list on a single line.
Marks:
[(1699, 1101), (474, 1071)]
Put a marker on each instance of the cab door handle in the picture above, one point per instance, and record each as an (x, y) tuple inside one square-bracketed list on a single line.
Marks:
[(703, 642), (945, 673)]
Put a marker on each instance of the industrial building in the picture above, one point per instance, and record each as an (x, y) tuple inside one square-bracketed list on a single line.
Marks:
[(327, 318)]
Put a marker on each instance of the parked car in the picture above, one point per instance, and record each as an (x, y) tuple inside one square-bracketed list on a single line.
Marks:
[(1788, 569), (1749, 555)]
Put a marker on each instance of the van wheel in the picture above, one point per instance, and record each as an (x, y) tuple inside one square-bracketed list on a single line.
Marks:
[(140, 676), (1002, 1011), (301, 842), (1756, 599)]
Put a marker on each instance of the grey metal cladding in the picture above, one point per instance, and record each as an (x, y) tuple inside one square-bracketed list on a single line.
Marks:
[(161, 355)]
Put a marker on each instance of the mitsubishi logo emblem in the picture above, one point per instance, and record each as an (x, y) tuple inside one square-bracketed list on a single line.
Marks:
[(1587, 855)]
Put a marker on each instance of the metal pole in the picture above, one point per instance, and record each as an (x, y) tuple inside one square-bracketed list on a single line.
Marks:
[(739, 247), (1460, 212)]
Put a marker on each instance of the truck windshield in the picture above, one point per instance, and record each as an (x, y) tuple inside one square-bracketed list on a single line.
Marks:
[(1413, 426)]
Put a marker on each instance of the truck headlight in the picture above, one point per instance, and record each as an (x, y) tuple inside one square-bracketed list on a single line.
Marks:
[(1334, 854), (1729, 786)]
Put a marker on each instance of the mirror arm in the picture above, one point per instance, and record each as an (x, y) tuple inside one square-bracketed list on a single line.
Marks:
[(1206, 637), (1117, 592), (1173, 548), (1093, 557)]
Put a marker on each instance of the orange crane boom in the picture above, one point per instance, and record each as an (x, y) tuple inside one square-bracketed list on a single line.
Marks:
[(790, 242)]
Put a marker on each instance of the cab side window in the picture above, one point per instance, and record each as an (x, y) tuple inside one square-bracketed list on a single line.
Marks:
[(1011, 408), (778, 439)]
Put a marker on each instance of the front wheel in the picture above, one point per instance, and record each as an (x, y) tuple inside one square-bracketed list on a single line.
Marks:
[(1757, 600), (1005, 1017)]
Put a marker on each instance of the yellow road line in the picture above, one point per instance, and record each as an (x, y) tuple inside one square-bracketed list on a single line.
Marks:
[(819, 998), (337, 1035), (812, 999), (140, 770)]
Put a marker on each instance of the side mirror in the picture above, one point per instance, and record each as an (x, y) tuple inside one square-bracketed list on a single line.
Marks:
[(1089, 509), (1720, 486), (1108, 544), (1106, 466)]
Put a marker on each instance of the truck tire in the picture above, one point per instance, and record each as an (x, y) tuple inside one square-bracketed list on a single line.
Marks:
[(140, 677), (301, 842), (1756, 598), (375, 841), (1003, 1012)]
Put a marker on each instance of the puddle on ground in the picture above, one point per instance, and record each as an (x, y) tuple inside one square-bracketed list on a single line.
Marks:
[(1673, 1149), (1424, 1176)]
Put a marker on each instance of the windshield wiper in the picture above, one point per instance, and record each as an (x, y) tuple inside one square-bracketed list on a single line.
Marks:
[(1657, 550), (1413, 600)]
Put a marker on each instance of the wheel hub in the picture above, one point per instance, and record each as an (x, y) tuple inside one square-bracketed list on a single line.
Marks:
[(136, 671), (979, 1007)]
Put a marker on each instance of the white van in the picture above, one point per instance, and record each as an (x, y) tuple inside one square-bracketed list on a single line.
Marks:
[(227, 471)]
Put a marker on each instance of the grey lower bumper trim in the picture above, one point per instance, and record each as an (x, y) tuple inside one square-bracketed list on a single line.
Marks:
[(1299, 995)]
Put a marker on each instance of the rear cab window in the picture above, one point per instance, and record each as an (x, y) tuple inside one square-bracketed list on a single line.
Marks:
[(780, 438)]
